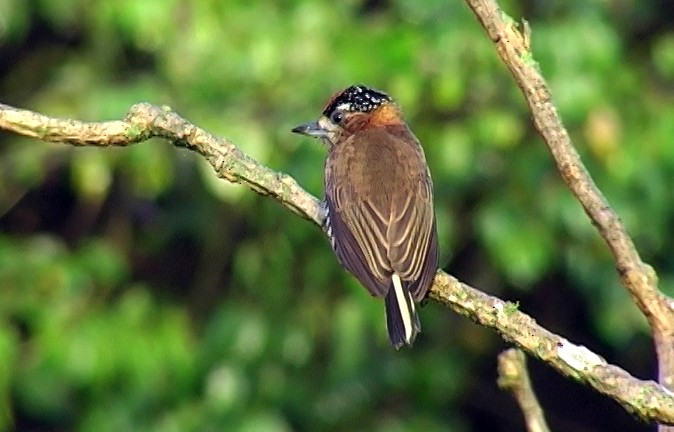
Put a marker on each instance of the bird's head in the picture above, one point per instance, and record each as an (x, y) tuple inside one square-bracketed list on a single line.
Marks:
[(350, 111)]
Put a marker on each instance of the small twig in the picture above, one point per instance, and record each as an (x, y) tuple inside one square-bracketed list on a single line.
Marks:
[(645, 399), (513, 376), (637, 277)]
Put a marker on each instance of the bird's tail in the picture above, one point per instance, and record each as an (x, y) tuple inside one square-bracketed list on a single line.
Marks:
[(402, 320)]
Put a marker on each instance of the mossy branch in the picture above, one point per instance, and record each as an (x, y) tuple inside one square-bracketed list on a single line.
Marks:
[(638, 278)]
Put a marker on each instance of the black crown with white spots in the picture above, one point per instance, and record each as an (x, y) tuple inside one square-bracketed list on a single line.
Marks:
[(357, 98)]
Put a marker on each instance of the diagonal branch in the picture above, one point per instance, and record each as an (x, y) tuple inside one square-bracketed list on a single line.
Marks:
[(637, 277), (646, 399), (144, 121)]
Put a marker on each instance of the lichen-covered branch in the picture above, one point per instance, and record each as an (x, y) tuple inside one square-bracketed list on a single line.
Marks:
[(144, 121), (646, 399), (513, 376), (571, 360), (637, 277)]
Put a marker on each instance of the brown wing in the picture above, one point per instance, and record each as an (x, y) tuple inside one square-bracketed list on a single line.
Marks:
[(393, 230), (419, 287), (356, 240), (412, 238)]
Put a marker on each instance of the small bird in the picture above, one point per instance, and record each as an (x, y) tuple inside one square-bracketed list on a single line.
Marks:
[(379, 201)]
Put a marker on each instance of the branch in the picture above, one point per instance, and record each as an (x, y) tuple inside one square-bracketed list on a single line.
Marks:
[(646, 399), (513, 376), (637, 277), (144, 121)]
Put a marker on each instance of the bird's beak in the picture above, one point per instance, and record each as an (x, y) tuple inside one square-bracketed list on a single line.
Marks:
[(312, 129)]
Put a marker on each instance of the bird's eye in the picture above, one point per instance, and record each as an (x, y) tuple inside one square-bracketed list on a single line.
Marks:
[(337, 117)]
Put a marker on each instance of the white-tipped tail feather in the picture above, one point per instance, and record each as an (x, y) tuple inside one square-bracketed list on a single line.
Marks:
[(403, 300), (401, 315)]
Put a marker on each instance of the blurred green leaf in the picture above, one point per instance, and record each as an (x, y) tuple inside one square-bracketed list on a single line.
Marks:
[(521, 248), (14, 19), (663, 55)]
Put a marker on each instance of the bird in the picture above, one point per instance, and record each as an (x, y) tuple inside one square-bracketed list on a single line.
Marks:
[(380, 216)]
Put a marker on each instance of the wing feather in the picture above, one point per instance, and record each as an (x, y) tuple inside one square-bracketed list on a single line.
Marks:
[(352, 256), (419, 288), (370, 238), (409, 234)]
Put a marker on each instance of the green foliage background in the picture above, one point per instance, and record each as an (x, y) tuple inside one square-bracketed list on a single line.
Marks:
[(138, 292)]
